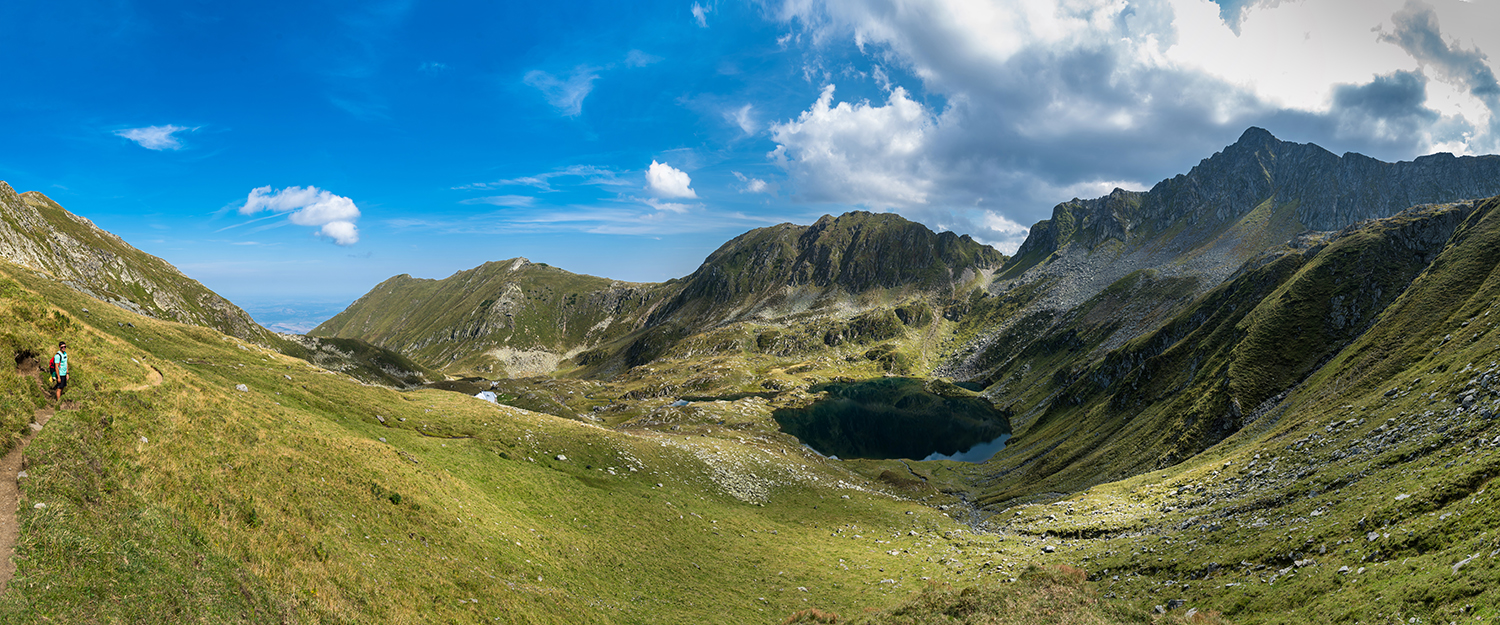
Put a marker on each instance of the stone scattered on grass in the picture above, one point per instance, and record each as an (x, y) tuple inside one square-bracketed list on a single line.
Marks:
[(242, 388)]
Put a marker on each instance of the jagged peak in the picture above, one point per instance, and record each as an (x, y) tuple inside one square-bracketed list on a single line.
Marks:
[(1256, 135)]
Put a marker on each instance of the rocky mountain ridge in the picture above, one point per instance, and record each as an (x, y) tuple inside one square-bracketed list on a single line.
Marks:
[(39, 234), (1192, 232), (1205, 219), (520, 318)]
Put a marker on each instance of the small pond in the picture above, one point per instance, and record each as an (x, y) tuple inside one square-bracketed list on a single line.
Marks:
[(897, 418)]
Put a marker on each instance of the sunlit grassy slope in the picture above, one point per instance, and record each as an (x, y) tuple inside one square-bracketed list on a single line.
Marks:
[(1362, 495), (310, 497)]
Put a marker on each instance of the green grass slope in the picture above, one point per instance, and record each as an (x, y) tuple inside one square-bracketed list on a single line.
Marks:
[(310, 497), (502, 318)]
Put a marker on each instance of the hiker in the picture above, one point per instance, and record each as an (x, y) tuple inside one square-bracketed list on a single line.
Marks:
[(60, 369)]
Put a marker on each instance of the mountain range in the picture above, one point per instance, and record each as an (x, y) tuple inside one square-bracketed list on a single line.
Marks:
[(1265, 390)]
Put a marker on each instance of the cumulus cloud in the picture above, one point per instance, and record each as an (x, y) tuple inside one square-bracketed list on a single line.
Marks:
[(155, 137), (334, 215), (859, 153), (663, 180), (1037, 99), (1418, 32), (564, 94)]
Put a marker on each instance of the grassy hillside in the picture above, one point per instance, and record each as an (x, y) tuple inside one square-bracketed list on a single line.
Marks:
[(508, 318), (1362, 497), (311, 497)]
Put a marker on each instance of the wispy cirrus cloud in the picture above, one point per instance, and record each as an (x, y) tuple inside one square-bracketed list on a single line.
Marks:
[(627, 219), (156, 137), (564, 94), (586, 175), (502, 200)]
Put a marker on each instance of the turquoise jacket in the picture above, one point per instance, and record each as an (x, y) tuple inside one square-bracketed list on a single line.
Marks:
[(61, 358)]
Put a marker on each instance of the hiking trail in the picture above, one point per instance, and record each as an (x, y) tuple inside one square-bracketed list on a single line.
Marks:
[(10, 497)]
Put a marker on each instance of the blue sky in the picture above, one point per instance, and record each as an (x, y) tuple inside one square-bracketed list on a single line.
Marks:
[(294, 153)]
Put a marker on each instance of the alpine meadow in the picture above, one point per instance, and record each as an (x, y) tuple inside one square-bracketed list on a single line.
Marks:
[(809, 365)]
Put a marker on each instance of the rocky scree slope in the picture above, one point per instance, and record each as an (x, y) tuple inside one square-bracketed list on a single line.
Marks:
[(37, 233)]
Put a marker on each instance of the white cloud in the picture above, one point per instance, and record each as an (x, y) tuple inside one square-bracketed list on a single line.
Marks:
[(671, 207), (859, 153), (309, 206), (1041, 99), (666, 181), (743, 118), (752, 185), (155, 137), (566, 95), (700, 14)]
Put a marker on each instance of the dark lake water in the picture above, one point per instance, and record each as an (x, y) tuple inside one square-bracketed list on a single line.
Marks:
[(896, 418)]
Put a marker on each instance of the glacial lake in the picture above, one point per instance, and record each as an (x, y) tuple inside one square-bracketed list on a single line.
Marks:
[(896, 418)]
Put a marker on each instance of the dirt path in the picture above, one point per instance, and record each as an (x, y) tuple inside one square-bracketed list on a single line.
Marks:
[(10, 498), (153, 378)]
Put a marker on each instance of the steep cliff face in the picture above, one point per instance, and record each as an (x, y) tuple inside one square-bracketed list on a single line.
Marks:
[(37, 233), (770, 271)]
